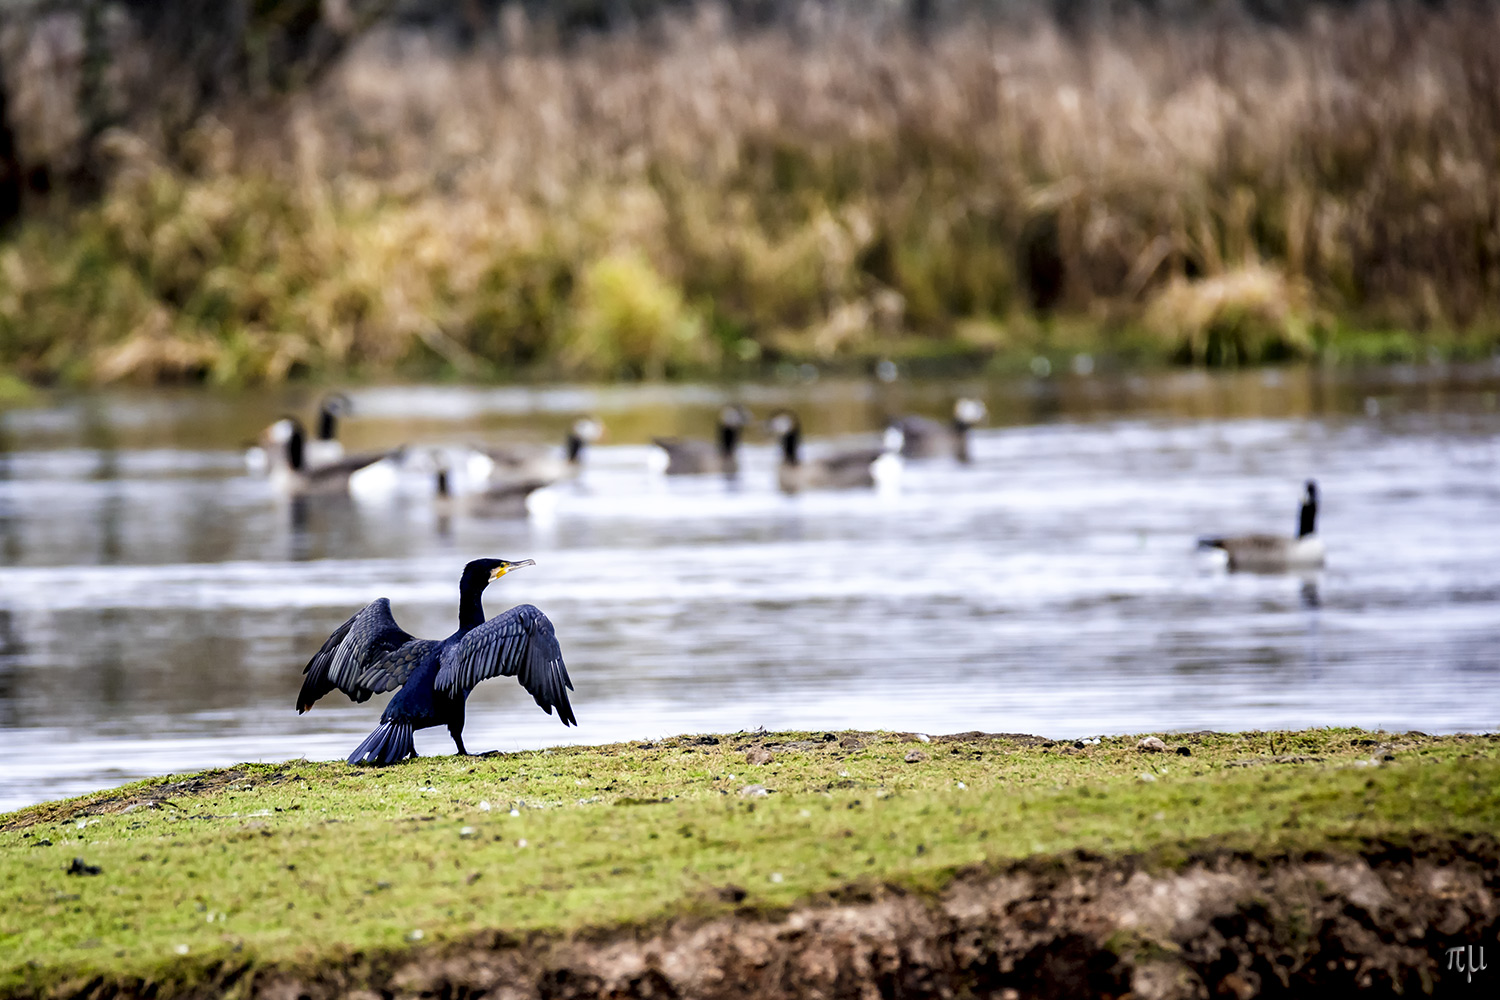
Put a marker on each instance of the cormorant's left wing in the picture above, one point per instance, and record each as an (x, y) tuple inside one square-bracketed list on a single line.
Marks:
[(519, 643)]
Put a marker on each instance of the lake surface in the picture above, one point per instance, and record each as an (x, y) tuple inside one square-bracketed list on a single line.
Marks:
[(158, 603)]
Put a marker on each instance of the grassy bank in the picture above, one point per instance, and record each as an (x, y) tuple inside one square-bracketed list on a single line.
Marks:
[(690, 195), (300, 865)]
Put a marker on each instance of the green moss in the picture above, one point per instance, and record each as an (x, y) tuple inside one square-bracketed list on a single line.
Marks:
[(300, 862)]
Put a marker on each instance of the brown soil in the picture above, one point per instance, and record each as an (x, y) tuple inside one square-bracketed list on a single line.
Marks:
[(1223, 925)]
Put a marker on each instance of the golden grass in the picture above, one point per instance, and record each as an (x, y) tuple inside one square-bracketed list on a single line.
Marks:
[(650, 202)]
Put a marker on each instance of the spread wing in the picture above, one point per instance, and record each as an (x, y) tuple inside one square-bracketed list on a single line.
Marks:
[(521, 644), (364, 656)]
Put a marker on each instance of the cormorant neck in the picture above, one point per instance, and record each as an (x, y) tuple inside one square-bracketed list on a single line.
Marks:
[(442, 482), (471, 604), (575, 446), (961, 441), (1307, 522), (328, 424), (789, 442), (729, 439)]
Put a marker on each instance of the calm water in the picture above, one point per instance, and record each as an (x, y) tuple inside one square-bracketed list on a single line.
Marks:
[(157, 604)]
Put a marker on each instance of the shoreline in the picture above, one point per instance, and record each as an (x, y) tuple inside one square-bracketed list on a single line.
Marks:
[(772, 864)]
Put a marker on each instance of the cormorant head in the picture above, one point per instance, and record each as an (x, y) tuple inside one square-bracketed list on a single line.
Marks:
[(734, 415), (482, 572)]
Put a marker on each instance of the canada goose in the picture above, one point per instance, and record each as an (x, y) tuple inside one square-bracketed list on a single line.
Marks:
[(1276, 553), (292, 476), (851, 469), (494, 499), (321, 450), (690, 456), (523, 462), (926, 438)]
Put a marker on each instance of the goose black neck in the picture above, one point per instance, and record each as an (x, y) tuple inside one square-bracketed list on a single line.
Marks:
[(961, 440), (575, 446), (442, 482), (471, 602), (328, 424), (1307, 520), (729, 439), (294, 448), (789, 442)]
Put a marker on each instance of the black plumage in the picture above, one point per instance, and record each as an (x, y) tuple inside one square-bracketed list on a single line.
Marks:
[(370, 654)]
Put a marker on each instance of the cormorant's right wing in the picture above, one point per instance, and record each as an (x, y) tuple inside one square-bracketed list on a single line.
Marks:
[(357, 658)]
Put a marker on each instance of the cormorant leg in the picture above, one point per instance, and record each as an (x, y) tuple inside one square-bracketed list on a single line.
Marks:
[(456, 729)]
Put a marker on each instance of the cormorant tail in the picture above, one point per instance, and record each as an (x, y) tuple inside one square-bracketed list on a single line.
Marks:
[(386, 745), (1210, 542)]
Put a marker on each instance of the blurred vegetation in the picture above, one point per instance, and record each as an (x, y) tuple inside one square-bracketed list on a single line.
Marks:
[(655, 189)]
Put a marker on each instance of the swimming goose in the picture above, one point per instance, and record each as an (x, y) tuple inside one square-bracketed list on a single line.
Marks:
[(507, 463), (321, 450), (493, 499), (1276, 553), (926, 438), (689, 456), (850, 469), (292, 476)]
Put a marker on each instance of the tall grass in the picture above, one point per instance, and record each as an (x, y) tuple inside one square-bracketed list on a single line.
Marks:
[(652, 202)]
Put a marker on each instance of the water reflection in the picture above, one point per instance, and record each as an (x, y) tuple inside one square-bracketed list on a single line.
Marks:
[(157, 603)]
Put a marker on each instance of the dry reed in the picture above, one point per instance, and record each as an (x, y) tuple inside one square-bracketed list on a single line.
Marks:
[(649, 203)]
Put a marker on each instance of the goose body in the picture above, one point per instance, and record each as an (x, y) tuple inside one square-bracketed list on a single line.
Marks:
[(1266, 553), (847, 469), (497, 499), (923, 437), (510, 463), (690, 456)]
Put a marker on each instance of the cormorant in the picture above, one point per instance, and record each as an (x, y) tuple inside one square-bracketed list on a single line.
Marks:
[(370, 654), (292, 475), (853, 468), (689, 456), (1276, 553), (926, 438), (506, 463)]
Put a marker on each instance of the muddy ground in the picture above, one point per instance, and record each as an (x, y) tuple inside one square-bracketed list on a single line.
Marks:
[(1380, 919)]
